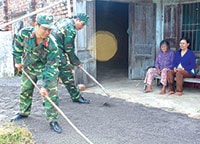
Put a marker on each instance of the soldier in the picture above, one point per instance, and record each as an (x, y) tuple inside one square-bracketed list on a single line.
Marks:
[(36, 52), (65, 33)]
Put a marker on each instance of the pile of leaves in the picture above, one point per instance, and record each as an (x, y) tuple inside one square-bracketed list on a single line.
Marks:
[(13, 134)]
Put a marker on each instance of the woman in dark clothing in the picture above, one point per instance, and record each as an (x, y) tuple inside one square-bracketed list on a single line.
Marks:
[(183, 67)]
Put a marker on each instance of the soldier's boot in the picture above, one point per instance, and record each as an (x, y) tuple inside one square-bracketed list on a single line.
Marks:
[(55, 126), (18, 116), (82, 100)]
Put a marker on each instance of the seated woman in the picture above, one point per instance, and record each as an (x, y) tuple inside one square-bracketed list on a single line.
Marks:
[(183, 67), (163, 64)]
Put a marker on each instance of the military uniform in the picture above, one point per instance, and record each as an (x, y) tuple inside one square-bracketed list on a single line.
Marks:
[(64, 34), (41, 60), (36, 51)]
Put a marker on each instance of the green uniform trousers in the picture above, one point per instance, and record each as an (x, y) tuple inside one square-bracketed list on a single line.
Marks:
[(26, 94), (66, 75)]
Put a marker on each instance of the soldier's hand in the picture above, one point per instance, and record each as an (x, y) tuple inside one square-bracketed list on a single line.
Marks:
[(43, 92), (19, 67), (79, 66)]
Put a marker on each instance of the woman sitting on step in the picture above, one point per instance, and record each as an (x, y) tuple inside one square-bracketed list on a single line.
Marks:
[(163, 64)]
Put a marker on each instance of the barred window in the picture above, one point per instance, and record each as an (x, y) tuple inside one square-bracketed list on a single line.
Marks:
[(191, 24)]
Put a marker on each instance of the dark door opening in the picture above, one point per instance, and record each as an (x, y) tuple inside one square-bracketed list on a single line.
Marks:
[(111, 27)]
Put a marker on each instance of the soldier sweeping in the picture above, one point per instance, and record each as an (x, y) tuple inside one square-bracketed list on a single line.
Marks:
[(36, 52), (65, 33)]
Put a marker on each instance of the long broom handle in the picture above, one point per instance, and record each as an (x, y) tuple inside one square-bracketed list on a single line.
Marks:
[(32, 13), (59, 110), (104, 90)]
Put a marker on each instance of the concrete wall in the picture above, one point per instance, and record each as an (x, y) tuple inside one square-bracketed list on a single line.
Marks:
[(6, 58)]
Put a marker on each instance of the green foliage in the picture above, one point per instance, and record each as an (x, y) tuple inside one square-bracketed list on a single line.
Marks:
[(12, 134)]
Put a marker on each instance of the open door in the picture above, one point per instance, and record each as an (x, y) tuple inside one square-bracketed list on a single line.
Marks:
[(141, 38), (86, 44)]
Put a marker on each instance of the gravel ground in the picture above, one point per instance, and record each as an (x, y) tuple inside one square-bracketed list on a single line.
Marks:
[(121, 123)]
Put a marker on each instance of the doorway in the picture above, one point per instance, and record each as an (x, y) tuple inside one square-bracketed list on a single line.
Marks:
[(112, 40)]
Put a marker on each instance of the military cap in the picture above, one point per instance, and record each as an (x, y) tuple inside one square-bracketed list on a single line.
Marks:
[(83, 17), (45, 20)]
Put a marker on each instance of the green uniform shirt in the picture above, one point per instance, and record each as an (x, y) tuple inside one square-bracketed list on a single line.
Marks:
[(65, 33), (42, 59)]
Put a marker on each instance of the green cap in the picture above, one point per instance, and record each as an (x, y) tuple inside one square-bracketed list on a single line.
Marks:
[(45, 20), (83, 17)]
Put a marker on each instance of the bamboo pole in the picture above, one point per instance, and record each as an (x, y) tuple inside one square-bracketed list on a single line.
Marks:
[(30, 14), (60, 111), (101, 86)]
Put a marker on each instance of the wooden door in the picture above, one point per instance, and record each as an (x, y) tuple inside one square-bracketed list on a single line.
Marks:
[(141, 38), (172, 24), (86, 44)]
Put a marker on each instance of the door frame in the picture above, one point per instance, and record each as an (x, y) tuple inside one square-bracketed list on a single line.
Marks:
[(85, 49)]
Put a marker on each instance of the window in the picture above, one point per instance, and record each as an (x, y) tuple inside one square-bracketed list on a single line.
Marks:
[(191, 24)]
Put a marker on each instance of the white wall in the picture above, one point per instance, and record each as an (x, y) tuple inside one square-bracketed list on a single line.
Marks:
[(6, 58)]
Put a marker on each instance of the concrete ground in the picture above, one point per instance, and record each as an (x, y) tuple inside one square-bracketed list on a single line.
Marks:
[(132, 91)]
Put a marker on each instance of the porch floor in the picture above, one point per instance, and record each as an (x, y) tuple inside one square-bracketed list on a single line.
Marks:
[(123, 88)]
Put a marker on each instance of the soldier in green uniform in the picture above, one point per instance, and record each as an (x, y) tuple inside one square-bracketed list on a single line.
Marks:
[(36, 51), (65, 33)]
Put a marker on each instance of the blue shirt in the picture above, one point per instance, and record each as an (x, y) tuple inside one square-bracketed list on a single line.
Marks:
[(187, 61)]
